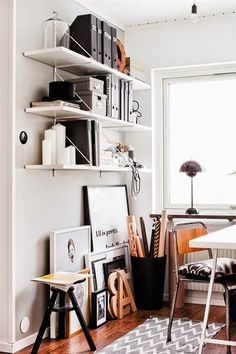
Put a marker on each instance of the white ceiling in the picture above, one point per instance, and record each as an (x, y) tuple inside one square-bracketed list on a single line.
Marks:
[(125, 13)]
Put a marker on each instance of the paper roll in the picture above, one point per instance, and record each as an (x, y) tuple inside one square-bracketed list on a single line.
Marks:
[(50, 134), (60, 139), (63, 157), (47, 152), (72, 154)]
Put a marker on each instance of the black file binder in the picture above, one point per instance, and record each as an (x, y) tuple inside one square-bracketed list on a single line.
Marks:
[(96, 142), (115, 97), (99, 40), (130, 101), (84, 31), (79, 132), (126, 101), (106, 49), (113, 47), (122, 98)]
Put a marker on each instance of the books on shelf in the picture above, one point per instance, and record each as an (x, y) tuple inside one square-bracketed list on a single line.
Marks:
[(61, 280), (56, 103)]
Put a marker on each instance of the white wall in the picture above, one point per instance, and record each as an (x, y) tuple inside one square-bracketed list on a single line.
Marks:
[(7, 174), (43, 202)]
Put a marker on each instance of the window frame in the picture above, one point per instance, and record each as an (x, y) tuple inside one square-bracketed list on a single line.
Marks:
[(160, 120)]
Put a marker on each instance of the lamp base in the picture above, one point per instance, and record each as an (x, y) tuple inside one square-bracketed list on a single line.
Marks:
[(191, 211)]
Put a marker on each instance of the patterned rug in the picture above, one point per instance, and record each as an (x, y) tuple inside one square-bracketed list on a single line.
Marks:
[(150, 337)]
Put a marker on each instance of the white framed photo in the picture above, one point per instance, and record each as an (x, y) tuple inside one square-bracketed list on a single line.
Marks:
[(68, 248), (96, 261), (106, 210)]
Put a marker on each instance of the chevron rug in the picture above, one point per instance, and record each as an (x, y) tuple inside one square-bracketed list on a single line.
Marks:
[(150, 337)]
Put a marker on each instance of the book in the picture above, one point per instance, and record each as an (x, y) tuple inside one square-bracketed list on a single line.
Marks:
[(57, 103), (61, 280)]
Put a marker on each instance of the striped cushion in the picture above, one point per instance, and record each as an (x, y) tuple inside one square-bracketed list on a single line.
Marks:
[(203, 268)]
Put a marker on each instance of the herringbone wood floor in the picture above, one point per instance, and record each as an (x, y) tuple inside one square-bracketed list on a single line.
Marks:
[(112, 330)]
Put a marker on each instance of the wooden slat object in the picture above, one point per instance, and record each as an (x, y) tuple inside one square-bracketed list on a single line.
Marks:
[(156, 239), (144, 236), (161, 251), (132, 233), (184, 236)]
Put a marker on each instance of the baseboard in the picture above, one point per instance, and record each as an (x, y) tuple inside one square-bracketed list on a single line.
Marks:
[(199, 297), (21, 344)]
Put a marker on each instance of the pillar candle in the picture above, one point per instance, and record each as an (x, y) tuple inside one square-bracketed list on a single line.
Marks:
[(60, 139), (50, 134), (63, 156), (72, 154), (47, 152)]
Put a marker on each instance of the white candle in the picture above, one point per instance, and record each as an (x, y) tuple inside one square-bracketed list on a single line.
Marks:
[(47, 152), (50, 134), (63, 156), (72, 154), (60, 138)]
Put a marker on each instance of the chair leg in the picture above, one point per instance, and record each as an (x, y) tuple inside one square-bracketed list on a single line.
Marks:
[(81, 319), (227, 318), (45, 321), (172, 312)]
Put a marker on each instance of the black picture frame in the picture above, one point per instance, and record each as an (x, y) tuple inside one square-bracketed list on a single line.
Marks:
[(111, 266), (106, 209), (99, 307)]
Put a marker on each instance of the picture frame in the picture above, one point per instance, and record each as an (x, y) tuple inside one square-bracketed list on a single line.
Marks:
[(99, 307), (111, 266), (95, 261), (68, 248), (106, 209)]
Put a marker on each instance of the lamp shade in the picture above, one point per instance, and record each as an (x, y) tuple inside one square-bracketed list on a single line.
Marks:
[(191, 168)]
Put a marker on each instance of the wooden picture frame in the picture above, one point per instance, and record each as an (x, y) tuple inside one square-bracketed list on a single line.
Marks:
[(106, 210), (99, 307), (68, 248)]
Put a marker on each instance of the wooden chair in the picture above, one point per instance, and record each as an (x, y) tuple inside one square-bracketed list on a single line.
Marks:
[(199, 271)]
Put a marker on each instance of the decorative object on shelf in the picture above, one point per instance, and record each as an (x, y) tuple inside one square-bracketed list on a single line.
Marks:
[(60, 131), (194, 16), (135, 69), (67, 250), (23, 137), (49, 150), (106, 209), (191, 168), (136, 113), (56, 32), (62, 90), (121, 60), (99, 307)]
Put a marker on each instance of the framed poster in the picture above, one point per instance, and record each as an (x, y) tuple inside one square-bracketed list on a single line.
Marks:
[(68, 248), (106, 210), (99, 307), (97, 262)]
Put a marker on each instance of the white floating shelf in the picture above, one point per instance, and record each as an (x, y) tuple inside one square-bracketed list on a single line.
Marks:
[(84, 167), (64, 113), (75, 63)]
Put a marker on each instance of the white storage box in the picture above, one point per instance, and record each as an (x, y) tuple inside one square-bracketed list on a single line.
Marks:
[(95, 101), (88, 83)]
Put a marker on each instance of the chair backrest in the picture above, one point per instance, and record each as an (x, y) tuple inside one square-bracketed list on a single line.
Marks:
[(183, 236)]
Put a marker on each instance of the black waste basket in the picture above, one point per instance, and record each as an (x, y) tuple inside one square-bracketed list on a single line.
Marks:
[(148, 281)]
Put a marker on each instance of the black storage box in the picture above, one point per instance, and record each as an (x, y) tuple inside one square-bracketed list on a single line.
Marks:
[(148, 281)]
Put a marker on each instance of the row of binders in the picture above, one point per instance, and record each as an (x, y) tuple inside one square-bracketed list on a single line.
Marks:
[(95, 38)]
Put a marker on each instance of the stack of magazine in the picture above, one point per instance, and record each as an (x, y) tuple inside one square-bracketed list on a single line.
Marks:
[(57, 103), (62, 280)]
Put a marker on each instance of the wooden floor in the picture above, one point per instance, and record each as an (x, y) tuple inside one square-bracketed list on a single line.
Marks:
[(114, 329)]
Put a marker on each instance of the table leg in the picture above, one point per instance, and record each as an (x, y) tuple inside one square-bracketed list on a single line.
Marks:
[(208, 302)]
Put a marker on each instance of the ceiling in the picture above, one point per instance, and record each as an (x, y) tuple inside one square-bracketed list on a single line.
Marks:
[(125, 13)]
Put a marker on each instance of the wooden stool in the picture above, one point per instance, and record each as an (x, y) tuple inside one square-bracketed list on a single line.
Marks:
[(62, 309)]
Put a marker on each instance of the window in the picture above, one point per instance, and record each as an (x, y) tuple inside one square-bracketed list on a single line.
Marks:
[(200, 124)]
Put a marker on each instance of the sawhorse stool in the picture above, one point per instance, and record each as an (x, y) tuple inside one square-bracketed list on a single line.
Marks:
[(62, 309)]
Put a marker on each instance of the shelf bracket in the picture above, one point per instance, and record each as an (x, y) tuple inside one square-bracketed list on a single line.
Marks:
[(53, 172)]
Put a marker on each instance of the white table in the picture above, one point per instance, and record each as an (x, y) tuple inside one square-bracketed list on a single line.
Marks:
[(221, 239)]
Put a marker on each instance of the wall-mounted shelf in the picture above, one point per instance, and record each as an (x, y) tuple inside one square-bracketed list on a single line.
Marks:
[(84, 167), (75, 63), (70, 113)]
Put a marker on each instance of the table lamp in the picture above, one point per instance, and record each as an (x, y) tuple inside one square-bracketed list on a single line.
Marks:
[(191, 168)]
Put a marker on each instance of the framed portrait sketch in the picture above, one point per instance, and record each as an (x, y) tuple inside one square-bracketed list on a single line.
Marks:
[(68, 248), (99, 263), (99, 307), (106, 210)]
